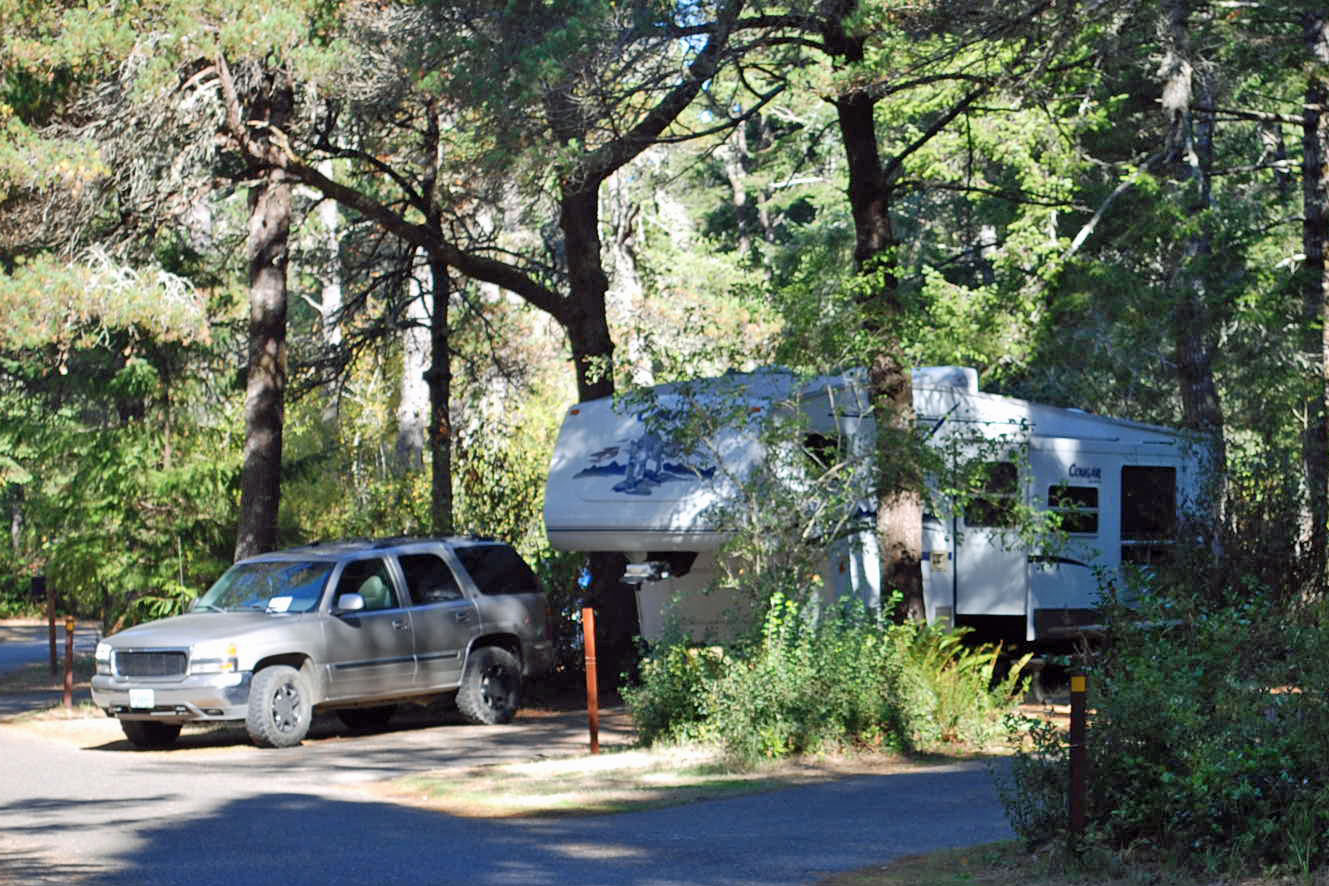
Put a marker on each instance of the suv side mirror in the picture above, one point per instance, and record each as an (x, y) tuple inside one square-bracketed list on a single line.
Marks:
[(350, 603)]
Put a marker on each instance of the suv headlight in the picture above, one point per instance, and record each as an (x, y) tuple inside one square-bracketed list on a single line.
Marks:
[(214, 660), (103, 658)]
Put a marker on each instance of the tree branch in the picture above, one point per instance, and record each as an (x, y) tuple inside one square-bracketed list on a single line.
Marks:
[(893, 167), (276, 152)]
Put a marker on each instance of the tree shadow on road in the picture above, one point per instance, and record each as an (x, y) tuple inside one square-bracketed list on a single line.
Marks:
[(787, 837), (19, 867)]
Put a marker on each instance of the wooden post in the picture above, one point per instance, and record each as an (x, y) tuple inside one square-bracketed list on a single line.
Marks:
[(1079, 759), (69, 662), (50, 624), (592, 684)]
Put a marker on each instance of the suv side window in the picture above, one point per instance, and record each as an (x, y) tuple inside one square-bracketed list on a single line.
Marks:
[(371, 580), (428, 579), (497, 569)]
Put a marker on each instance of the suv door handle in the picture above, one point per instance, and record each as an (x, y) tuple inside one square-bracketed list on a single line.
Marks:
[(463, 616), (400, 624)]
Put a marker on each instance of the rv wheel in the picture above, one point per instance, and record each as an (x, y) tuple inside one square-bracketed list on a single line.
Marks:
[(1051, 685)]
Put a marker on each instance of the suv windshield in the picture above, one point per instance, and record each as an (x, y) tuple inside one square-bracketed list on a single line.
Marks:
[(283, 586)]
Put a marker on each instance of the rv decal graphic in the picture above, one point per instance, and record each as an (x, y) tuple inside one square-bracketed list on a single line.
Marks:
[(1082, 472), (645, 463)]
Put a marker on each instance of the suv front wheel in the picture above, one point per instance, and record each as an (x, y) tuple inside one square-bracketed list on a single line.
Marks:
[(491, 687), (279, 707)]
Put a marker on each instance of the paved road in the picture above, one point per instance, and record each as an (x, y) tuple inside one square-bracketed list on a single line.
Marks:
[(228, 814), (22, 643), (219, 811)]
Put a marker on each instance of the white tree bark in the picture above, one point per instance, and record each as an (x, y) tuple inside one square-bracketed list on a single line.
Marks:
[(413, 407)]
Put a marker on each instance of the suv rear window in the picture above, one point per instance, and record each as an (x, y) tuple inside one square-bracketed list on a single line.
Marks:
[(429, 579), (497, 569)]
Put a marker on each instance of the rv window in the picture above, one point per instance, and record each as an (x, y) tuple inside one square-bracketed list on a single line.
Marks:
[(823, 452), (994, 502), (1148, 513), (1077, 506)]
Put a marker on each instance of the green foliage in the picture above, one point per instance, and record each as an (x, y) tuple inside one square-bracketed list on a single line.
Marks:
[(1035, 791), (1208, 741), (814, 682), (1207, 730), (500, 478), (668, 703), (820, 678), (134, 538), (956, 691)]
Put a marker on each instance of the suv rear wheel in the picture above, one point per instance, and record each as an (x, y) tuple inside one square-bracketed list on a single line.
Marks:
[(279, 707), (146, 734), (491, 687)]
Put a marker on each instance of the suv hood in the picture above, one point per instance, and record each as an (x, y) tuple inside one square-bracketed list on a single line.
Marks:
[(197, 627)]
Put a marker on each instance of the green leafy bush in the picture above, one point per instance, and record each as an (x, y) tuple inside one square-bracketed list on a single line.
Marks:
[(956, 692), (1206, 740), (669, 702), (817, 680), (1035, 790), (813, 681)]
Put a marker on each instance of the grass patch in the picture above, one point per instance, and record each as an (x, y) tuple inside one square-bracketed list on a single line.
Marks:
[(82, 710), (1004, 863), (620, 781)]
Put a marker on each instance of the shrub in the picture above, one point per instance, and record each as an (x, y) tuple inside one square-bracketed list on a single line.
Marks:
[(813, 681), (817, 680), (956, 692), (669, 701), (1035, 790), (1206, 741)]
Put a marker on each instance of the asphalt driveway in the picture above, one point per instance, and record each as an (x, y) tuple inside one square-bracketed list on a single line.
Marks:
[(230, 815), (78, 805)]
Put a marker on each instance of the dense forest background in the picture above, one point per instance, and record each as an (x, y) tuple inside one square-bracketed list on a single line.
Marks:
[(278, 272)]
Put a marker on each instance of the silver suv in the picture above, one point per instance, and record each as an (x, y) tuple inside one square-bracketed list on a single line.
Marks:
[(355, 627)]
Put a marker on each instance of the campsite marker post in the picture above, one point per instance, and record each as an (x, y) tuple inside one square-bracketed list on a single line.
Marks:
[(69, 661), (1079, 757), (592, 686)]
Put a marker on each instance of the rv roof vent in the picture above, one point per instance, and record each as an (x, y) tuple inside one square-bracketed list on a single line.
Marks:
[(947, 376)]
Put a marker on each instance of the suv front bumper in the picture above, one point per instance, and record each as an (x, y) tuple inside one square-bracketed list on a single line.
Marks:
[(212, 697)]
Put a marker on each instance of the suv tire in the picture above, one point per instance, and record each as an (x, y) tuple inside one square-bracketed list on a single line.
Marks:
[(146, 734), (491, 687), (279, 707)]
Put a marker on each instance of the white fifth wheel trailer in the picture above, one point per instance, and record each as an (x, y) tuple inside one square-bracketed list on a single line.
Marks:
[(621, 480)]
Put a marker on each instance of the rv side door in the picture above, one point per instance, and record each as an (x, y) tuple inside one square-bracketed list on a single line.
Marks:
[(991, 569), (1077, 486)]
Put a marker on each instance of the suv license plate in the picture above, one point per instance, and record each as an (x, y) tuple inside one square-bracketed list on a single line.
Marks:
[(142, 699)]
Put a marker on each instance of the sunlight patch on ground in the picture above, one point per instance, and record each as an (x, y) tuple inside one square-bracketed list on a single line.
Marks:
[(614, 782)]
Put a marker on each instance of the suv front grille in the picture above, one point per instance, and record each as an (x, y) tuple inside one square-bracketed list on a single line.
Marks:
[(150, 664)]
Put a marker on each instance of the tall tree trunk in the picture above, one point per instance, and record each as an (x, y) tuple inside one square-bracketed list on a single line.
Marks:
[(732, 155), (268, 240), (890, 385), (1189, 156), (1315, 235), (16, 522), (440, 395), (415, 404), (330, 302), (584, 317), (592, 354), (628, 293)]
